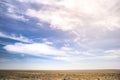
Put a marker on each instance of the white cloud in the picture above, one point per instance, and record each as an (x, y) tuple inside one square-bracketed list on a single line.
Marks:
[(17, 17), (45, 50), (14, 12), (74, 14), (63, 53), (45, 41), (115, 53), (88, 21), (91, 22), (14, 37), (37, 49), (46, 2)]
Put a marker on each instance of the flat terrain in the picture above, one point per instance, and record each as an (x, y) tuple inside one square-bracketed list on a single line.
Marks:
[(60, 75)]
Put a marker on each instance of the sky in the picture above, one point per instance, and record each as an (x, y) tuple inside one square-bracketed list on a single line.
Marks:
[(59, 34)]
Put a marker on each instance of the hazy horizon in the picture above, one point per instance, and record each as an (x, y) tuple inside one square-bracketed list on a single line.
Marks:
[(55, 69), (59, 34)]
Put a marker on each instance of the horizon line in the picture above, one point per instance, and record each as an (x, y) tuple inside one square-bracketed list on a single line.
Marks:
[(53, 69)]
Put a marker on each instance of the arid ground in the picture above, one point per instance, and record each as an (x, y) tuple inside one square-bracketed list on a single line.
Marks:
[(60, 75)]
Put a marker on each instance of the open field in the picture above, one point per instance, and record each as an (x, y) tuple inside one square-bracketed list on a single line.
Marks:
[(60, 75)]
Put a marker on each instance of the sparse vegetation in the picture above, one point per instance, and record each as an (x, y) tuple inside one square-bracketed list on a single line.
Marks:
[(60, 75)]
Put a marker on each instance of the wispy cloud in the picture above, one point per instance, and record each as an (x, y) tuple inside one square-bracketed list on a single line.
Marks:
[(13, 11), (63, 53), (90, 22), (43, 50), (77, 14), (88, 29), (18, 17), (14, 37), (37, 49)]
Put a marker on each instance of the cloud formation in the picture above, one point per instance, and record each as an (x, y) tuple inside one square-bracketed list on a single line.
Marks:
[(63, 53), (93, 26), (18, 17), (74, 14), (34, 49), (90, 21), (14, 37)]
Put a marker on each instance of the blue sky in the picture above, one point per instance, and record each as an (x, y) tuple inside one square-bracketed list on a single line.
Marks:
[(59, 34)]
